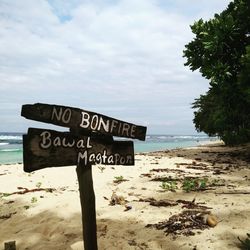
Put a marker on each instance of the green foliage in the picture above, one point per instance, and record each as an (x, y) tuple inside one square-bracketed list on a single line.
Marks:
[(101, 168), (39, 184), (221, 52), (33, 200), (4, 195), (169, 185), (190, 184), (119, 179)]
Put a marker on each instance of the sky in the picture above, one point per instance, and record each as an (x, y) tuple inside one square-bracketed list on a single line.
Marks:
[(120, 58)]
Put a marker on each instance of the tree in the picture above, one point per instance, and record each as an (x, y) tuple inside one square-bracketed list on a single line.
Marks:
[(221, 52)]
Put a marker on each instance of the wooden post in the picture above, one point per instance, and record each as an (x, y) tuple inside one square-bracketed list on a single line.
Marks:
[(87, 197), (47, 148), (11, 245)]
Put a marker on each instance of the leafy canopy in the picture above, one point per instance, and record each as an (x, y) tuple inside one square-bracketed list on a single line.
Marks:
[(221, 52)]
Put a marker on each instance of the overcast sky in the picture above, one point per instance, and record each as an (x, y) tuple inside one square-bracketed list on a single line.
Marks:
[(121, 58)]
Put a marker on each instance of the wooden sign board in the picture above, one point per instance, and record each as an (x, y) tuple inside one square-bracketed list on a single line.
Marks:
[(81, 119), (49, 148)]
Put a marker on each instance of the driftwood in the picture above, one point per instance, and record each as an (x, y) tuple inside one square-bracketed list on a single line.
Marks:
[(164, 179), (159, 203), (183, 223), (234, 192), (167, 203), (169, 170), (192, 204), (26, 190), (7, 216)]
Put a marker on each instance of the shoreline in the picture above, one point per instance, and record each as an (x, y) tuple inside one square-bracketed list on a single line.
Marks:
[(50, 218), (209, 142)]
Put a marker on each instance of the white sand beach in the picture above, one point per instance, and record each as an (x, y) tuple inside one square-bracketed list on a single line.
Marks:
[(51, 218)]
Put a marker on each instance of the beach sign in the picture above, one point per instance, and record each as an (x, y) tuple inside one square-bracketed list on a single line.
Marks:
[(89, 141), (76, 118), (48, 148)]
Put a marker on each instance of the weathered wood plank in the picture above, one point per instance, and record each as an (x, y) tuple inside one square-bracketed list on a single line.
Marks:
[(11, 245), (48, 148), (81, 119), (87, 198)]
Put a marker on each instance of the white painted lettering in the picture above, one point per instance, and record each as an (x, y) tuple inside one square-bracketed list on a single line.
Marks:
[(57, 142), (113, 125), (56, 113), (119, 128), (88, 143), (46, 140), (98, 158), (66, 115), (132, 133), (125, 129), (67, 144), (83, 156), (103, 125), (94, 122), (117, 158), (92, 158), (122, 160), (61, 115), (85, 120), (104, 156), (80, 144), (129, 159), (110, 159)]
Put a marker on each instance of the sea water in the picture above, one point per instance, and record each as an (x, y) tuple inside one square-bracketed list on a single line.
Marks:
[(11, 147), (165, 142)]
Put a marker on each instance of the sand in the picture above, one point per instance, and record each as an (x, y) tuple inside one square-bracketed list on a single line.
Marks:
[(51, 219)]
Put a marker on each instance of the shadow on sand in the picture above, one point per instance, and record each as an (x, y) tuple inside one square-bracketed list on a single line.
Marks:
[(47, 230)]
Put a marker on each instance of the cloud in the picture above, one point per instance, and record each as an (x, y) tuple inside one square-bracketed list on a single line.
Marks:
[(123, 58)]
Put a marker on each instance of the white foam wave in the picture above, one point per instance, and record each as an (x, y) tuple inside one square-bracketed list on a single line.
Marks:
[(195, 137), (162, 137), (10, 150), (11, 137)]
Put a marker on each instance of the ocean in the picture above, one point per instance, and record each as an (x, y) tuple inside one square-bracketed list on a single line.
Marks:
[(11, 147)]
